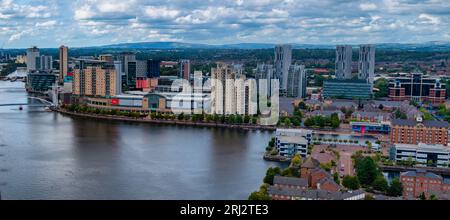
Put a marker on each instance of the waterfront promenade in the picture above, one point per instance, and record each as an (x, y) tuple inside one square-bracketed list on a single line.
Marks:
[(168, 122)]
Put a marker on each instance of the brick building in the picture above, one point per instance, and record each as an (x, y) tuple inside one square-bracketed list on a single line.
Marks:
[(317, 177), (418, 88), (417, 182), (290, 182), (405, 131)]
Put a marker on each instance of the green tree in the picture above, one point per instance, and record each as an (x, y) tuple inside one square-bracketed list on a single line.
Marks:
[(295, 121), (369, 197), (422, 196), (296, 161), (272, 142), (302, 105), (309, 122), (287, 122), (335, 121), (290, 172), (400, 115), (318, 80), (246, 119), (270, 174), (351, 182), (180, 116), (254, 120), (380, 184), (433, 197), (239, 119), (320, 121), (382, 85), (396, 188), (259, 196), (336, 177), (367, 171)]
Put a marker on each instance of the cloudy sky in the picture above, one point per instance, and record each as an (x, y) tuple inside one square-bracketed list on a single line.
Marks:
[(49, 23)]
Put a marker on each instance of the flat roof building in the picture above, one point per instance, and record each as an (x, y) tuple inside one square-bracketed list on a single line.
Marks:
[(422, 154), (347, 89)]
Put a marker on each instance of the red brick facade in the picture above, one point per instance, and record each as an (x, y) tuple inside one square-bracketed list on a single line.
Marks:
[(317, 176), (397, 94), (330, 186), (436, 96), (418, 134), (414, 186)]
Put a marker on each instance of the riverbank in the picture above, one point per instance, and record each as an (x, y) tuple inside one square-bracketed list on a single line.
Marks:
[(167, 122)]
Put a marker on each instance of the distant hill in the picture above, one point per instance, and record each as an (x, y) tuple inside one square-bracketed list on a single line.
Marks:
[(433, 46)]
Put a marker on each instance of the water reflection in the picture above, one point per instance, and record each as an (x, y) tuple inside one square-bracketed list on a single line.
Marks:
[(50, 156)]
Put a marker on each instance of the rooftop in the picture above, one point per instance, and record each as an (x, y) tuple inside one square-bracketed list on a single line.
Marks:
[(292, 139), (412, 123), (359, 81), (313, 194), (421, 173), (281, 180), (371, 114), (423, 147), (311, 163)]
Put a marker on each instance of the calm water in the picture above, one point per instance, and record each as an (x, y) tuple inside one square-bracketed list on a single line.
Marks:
[(49, 156)]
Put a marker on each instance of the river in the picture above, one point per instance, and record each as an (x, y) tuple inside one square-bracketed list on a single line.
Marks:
[(44, 155)]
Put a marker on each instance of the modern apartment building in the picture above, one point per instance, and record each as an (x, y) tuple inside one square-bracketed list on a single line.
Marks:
[(344, 55), (95, 79), (40, 81), (283, 60), (153, 69), (265, 72), (246, 97), (366, 65), (417, 87), (44, 63), (63, 63), (297, 83), (185, 69), (126, 58), (422, 154), (223, 89), (406, 131), (32, 54)]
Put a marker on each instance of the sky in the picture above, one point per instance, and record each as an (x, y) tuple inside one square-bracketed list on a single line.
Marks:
[(78, 23)]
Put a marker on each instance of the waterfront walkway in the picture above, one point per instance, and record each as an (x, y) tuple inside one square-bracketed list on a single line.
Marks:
[(171, 122)]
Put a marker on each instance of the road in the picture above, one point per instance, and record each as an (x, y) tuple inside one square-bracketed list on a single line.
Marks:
[(346, 160)]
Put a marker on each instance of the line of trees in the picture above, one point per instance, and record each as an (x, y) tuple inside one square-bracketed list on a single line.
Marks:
[(230, 119), (323, 121), (97, 111), (225, 119)]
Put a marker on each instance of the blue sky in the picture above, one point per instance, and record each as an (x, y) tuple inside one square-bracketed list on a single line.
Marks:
[(99, 22)]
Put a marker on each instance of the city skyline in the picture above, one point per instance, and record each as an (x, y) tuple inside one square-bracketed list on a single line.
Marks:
[(81, 23)]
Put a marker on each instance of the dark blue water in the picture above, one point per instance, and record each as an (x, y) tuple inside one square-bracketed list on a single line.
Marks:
[(44, 155)]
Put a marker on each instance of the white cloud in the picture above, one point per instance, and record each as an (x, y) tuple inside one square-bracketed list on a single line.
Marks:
[(429, 19), (47, 24), (94, 22), (368, 6), (161, 12)]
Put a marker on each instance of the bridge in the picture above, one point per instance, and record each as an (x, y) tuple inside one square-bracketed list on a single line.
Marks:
[(44, 103)]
